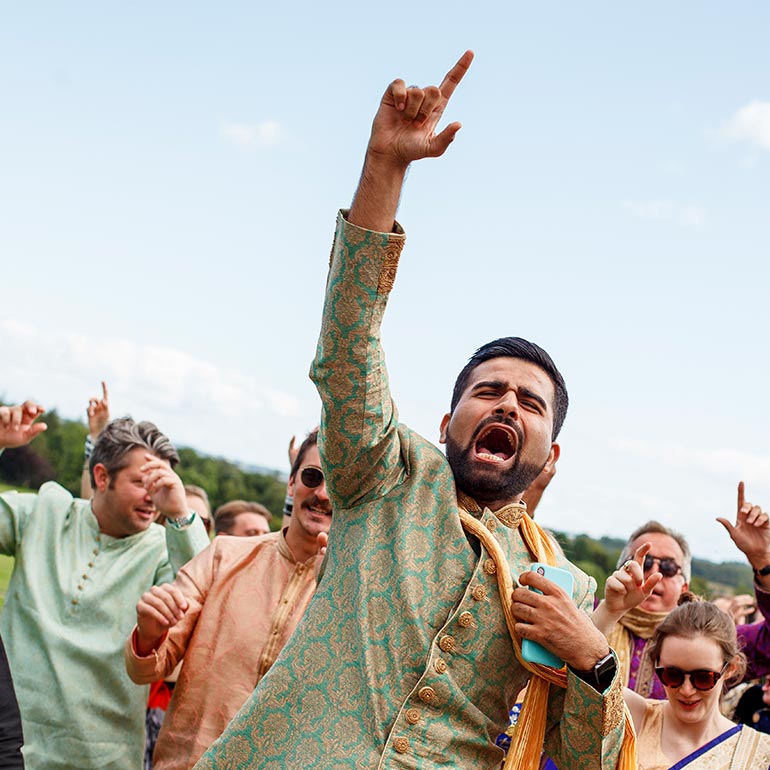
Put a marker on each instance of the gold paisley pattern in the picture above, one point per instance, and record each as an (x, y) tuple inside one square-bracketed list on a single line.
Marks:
[(369, 679)]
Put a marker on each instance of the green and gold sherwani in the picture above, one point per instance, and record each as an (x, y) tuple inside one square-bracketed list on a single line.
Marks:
[(403, 659)]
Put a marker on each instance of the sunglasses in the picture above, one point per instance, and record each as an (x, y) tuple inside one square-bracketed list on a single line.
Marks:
[(311, 477), (667, 567), (701, 679)]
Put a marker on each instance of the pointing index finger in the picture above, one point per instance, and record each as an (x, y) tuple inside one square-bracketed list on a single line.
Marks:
[(741, 498), (104, 390), (641, 552), (455, 75)]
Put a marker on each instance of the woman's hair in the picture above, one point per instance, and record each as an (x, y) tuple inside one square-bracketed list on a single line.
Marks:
[(695, 617)]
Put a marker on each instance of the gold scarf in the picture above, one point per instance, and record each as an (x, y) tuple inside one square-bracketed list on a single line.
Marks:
[(641, 623), (529, 735)]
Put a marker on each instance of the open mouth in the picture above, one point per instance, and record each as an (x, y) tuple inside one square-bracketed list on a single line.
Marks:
[(496, 444)]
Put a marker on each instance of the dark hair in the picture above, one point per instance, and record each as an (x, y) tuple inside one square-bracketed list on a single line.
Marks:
[(695, 617), (120, 437), (226, 514), (516, 347), (311, 440)]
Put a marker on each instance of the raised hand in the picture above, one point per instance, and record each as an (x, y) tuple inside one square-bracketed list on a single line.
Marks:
[(751, 531), (404, 128), (159, 609), (98, 413), (626, 587), (164, 487), (18, 426)]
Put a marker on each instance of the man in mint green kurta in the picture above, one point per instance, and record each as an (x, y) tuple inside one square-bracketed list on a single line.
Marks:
[(80, 568), (404, 659)]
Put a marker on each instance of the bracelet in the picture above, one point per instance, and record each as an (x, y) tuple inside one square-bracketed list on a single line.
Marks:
[(89, 448), (182, 522)]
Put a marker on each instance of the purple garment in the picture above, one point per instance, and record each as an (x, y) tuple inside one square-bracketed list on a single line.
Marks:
[(754, 639), (657, 692)]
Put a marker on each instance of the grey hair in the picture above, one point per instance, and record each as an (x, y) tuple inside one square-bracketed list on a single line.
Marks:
[(123, 435), (656, 526)]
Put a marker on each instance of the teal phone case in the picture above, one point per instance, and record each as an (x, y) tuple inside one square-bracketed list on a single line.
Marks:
[(533, 651)]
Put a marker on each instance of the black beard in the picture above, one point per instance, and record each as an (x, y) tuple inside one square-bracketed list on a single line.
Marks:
[(489, 485)]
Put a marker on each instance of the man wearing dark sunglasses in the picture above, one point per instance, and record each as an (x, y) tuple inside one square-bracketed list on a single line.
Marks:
[(405, 657), (227, 617)]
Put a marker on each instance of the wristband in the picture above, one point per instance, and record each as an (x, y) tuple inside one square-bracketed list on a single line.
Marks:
[(182, 522), (764, 572), (89, 448)]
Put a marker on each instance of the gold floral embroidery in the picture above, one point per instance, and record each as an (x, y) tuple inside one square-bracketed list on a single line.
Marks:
[(613, 713), (389, 267)]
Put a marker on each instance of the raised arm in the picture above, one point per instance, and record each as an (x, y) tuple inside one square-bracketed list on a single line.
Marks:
[(98, 412), (751, 534), (359, 442)]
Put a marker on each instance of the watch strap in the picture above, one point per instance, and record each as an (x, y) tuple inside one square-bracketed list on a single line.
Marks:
[(601, 675)]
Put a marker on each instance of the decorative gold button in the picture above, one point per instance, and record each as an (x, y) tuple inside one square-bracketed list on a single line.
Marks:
[(491, 524), (85, 576), (412, 716), (90, 564), (401, 745), (479, 592), (490, 567), (447, 643), (300, 569), (440, 665), (426, 694), (74, 601), (465, 619), (80, 587), (95, 552)]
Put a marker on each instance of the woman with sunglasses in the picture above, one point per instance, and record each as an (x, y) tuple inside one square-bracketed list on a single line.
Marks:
[(695, 651)]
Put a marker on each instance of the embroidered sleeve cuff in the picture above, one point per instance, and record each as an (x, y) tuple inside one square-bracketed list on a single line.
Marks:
[(382, 248)]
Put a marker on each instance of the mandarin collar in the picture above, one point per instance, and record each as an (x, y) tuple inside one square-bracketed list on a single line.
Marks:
[(510, 515)]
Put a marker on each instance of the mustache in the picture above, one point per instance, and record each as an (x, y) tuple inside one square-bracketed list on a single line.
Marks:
[(314, 502)]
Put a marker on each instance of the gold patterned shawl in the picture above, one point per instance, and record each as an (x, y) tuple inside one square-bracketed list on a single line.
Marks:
[(639, 623), (529, 735)]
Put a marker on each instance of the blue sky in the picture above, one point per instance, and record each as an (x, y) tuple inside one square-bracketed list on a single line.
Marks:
[(170, 173)]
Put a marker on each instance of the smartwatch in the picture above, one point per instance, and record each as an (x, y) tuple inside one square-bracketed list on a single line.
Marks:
[(601, 675)]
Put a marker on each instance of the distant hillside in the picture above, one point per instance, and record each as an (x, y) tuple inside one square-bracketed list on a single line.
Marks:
[(58, 454)]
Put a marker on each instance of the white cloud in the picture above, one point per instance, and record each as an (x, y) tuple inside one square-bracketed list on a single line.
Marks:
[(751, 123), (687, 215), (247, 136), (216, 409)]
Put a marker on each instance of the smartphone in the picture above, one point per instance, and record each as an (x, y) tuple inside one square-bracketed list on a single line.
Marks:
[(533, 651)]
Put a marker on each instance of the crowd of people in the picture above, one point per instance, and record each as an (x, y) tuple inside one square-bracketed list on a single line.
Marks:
[(390, 621)]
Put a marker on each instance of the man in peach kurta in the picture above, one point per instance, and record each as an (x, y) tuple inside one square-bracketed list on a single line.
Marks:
[(227, 616)]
